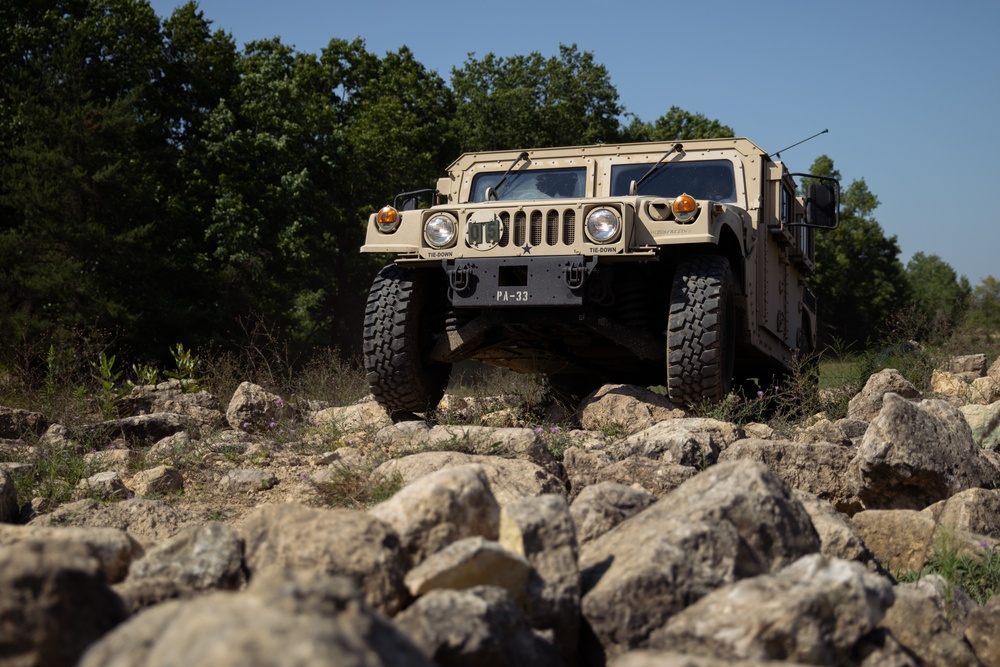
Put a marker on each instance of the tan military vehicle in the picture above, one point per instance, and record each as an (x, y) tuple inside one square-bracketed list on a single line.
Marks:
[(675, 264)]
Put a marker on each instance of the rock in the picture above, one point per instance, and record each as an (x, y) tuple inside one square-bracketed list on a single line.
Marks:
[(818, 468), (984, 391), (105, 485), (54, 602), (730, 522), (625, 407), (653, 658), (478, 626), (984, 422), (982, 631), (903, 540), (114, 549), (283, 618), (247, 480), (510, 479), (468, 563), (919, 624), (17, 424), (822, 431), (175, 397), (9, 510), (435, 510), (915, 454), (197, 559), (368, 415), (255, 410), (602, 506), (541, 530), (867, 404), (120, 459), (969, 366), (332, 541), (147, 521), (584, 468), (162, 480), (814, 611), (837, 537), (694, 442), (141, 430), (972, 511)]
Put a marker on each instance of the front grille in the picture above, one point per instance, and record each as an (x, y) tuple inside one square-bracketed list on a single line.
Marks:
[(550, 227)]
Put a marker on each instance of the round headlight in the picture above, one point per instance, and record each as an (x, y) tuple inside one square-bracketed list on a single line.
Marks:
[(387, 219), (603, 225), (440, 231), (685, 209)]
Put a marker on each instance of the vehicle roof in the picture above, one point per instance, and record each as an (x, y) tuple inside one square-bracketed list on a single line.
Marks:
[(742, 145)]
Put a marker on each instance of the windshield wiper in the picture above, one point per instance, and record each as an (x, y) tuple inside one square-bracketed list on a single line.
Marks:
[(495, 190), (634, 189)]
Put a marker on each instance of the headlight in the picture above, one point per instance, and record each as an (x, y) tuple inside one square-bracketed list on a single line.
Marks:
[(387, 220), (603, 225), (439, 231), (685, 209)]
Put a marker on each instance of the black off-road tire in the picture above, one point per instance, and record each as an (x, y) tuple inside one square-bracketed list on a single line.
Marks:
[(701, 331), (401, 320)]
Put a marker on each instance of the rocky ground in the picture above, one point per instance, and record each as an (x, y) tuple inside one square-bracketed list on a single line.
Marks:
[(277, 534)]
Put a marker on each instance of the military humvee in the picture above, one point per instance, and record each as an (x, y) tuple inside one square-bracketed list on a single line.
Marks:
[(675, 264)]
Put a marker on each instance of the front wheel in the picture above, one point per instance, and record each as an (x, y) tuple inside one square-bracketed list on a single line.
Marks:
[(400, 325), (701, 331)]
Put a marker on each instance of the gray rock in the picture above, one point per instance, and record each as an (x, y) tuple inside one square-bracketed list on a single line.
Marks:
[(9, 510), (654, 658), (982, 631), (480, 627), (360, 416), (837, 537), (253, 409), (867, 404), (114, 549), (818, 468), (247, 480), (147, 521), (694, 442), (161, 480), (822, 431), (289, 618), (814, 611), (541, 530), (175, 397), (972, 511), (54, 602), (918, 622), (105, 485), (984, 422), (17, 424), (510, 479), (468, 563), (197, 559), (444, 506), (332, 541), (915, 454), (602, 506), (141, 430), (969, 366), (627, 408), (585, 468)]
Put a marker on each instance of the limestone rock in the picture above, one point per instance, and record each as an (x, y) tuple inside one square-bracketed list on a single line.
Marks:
[(175, 397), (838, 539), (114, 549), (625, 407), (867, 404), (357, 417), (972, 511), (584, 468), (255, 410), (478, 626), (694, 442), (982, 631), (333, 541), (969, 366), (984, 422), (437, 509), (54, 602), (915, 454), (160, 480), (105, 485), (17, 424), (468, 563), (602, 506), (919, 624), (247, 480), (814, 611)]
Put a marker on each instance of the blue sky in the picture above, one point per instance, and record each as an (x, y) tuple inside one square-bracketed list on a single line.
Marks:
[(910, 91)]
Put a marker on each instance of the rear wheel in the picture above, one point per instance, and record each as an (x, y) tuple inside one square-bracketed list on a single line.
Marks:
[(701, 331), (401, 320)]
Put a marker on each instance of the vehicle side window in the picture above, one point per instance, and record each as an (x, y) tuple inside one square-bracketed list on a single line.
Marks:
[(707, 179)]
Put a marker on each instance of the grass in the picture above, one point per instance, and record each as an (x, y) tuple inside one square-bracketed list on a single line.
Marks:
[(976, 573), (357, 489)]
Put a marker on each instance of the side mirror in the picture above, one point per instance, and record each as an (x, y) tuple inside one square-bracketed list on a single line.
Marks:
[(822, 208)]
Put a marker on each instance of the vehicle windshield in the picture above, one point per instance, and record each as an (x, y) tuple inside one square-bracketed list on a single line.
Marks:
[(707, 179), (532, 184)]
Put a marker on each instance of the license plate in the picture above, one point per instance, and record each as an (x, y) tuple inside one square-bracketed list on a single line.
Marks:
[(515, 296)]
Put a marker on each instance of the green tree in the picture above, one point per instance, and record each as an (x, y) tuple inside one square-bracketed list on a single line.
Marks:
[(939, 296), (859, 282), (984, 305), (531, 101), (676, 125)]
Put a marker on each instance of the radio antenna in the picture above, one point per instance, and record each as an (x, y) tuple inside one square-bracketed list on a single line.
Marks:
[(777, 154)]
